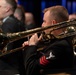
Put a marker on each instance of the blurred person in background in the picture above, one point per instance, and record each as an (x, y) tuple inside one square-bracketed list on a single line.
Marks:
[(19, 14), (72, 16), (16, 1), (12, 62), (29, 21)]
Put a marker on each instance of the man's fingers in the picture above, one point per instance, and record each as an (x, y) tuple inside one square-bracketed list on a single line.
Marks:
[(40, 37), (25, 44)]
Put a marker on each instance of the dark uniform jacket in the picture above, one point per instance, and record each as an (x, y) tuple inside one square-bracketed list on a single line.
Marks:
[(12, 61), (58, 55)]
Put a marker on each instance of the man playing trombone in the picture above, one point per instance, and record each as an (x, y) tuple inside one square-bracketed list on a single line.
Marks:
[(58, 55)]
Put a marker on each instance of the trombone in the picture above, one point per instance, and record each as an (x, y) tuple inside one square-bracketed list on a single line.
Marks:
[(11, 37)]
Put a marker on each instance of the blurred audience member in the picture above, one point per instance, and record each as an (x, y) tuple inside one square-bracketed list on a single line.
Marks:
[(29, 21), (19, 14), (72, 16), (19, 5), (13, 62), (16, 1)]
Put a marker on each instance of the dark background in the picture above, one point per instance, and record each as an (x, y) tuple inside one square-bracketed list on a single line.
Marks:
[(36, 7)]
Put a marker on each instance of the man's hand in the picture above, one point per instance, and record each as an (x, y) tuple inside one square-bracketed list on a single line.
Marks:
[(33, 40), (25, 44)]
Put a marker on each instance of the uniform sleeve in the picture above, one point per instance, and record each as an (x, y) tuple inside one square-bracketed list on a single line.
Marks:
[(54, 56), (33, 64)]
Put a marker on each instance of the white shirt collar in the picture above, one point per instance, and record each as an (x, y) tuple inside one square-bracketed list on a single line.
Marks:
[(5, 19)]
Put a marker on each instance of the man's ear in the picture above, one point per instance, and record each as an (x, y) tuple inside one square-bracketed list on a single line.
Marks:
[(54, 22), (7, 9)]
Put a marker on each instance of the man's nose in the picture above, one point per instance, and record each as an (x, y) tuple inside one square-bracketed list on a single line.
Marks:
[(42, 25)]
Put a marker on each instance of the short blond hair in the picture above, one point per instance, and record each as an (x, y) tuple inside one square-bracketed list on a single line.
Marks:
[(60, 13)]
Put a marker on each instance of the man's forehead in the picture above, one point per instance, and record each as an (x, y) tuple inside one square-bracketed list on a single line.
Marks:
[(2, 2), (47, 14)]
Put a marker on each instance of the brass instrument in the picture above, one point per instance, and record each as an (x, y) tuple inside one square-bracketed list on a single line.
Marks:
[(10, 37)]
